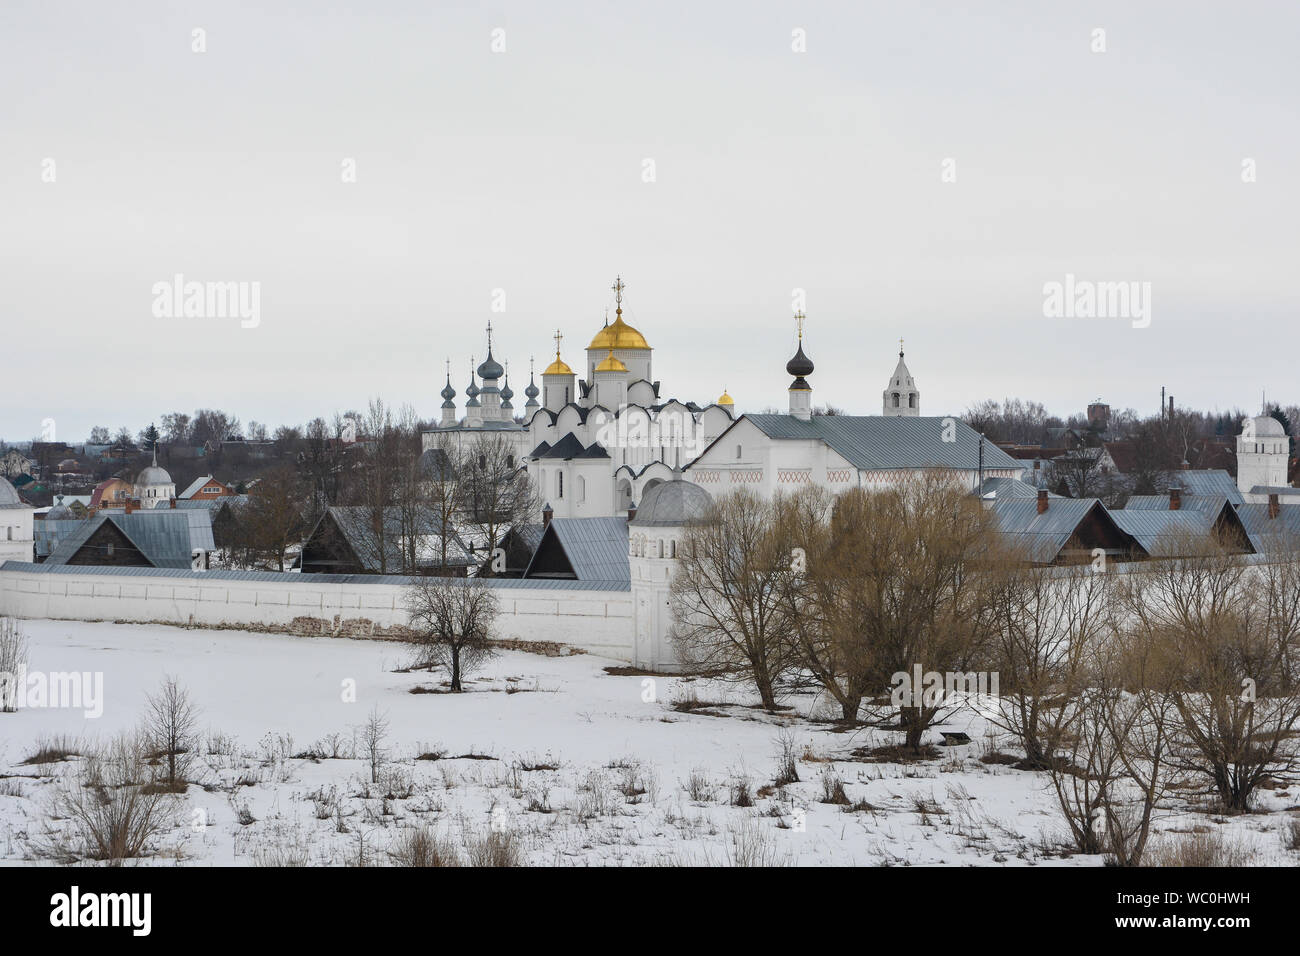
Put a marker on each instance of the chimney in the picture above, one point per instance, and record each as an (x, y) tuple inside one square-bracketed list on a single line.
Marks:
[(631, 512), (1175, 499), (132, 504), (171, 503), (1171, 408), (547, 514), (1042, 501), (1272, 505)]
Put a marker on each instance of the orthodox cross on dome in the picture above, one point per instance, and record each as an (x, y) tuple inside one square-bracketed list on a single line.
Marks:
[(799, 318), (618, 288), (900, 348), (558, 336), (489, 332)]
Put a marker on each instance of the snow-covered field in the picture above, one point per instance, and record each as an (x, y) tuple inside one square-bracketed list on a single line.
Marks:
[(573, 764)]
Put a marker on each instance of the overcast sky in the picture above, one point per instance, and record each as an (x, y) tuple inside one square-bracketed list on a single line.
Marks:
[(524, 171)]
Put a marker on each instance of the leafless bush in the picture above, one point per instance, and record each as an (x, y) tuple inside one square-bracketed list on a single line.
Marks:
[(699, 787), (493, 848), (110, 811), (1198, 850), (787, 764), (420, 846), (833, 789), (751, 845)]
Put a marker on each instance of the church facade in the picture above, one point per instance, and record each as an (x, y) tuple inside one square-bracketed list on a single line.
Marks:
[(602, 438)]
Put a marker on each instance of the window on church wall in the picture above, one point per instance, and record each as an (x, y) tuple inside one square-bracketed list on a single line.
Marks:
[(911, 400), (661, 547), (895, 399), (673, 548), (582, 488), (559, 484)]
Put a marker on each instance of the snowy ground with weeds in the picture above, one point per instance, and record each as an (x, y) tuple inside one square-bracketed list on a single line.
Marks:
[(570, 764)]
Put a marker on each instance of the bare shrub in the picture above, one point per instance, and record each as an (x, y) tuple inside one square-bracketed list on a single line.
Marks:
[(110, 811), (1198, 850), (751, 845), (420, 846), (493, 848), (787, 762)]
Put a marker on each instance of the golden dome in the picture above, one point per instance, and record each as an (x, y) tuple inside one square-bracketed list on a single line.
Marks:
[(558, 367), (612, 364), (619, 335), (725, 399)]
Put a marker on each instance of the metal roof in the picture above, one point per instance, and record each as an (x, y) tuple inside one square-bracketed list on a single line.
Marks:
[(50, 532), (1267, 534), (596, 548), (887, 442), (1160, 531), (211, 504), (1210, 504), (1045, 534), (286, 577), (1206, 481), (354, 524), (165, 537), (1000, 488), (1280, 490)]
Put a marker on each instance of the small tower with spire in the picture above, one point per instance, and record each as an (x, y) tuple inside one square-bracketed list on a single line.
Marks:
[(557, 381), (800, 367), (901, 396), (448, 401)]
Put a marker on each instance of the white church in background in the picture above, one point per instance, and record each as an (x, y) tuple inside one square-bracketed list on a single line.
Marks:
[(604, 437)]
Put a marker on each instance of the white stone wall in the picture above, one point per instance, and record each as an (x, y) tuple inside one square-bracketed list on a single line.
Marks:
[(599, 622), (16, 534)]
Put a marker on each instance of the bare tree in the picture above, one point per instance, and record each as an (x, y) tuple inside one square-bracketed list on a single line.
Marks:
[(495, 492), (13, 660), (729, 606), (373, 735), (272, 519), (1046, 624), (171, 720), (452, 618), (1220, 638)]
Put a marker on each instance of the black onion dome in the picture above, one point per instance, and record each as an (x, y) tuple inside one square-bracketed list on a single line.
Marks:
[(800, 365), (448, 392)]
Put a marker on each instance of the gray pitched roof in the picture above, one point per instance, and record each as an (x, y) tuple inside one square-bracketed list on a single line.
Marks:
[(354, 524), (1210, 504), (1206, 481), (211, 504), (51, 531), (999, 488), (1042, 535), (888, 442), (165, 537), (596, 548), (1267, 534), (1160, 531), (1282, 491)]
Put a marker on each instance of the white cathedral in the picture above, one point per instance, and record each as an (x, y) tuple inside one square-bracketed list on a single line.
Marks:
[(598, 444)]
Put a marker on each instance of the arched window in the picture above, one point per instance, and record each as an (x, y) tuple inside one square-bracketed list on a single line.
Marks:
[(582, 488), (911, 400), (673, 547), (661, 547), (895, 399), (559, 484)]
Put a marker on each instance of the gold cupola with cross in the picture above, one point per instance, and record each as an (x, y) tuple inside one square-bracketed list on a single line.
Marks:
[(619, 341)]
